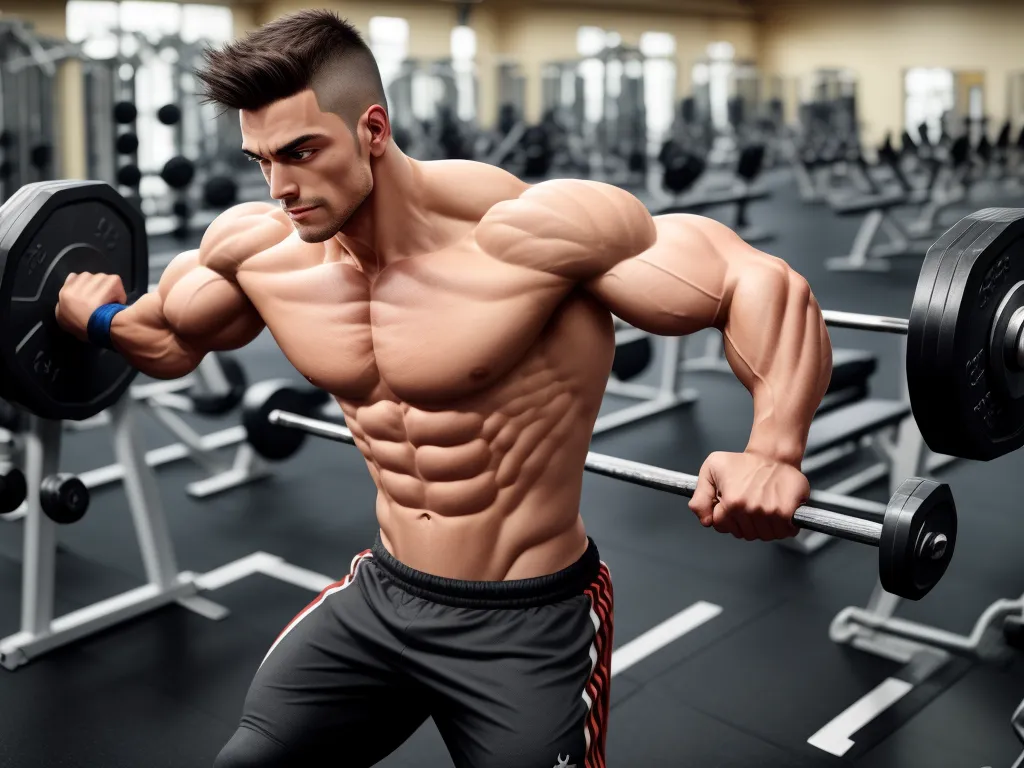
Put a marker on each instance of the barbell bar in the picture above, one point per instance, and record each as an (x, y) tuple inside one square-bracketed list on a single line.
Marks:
[(861, 322), (915, 540)]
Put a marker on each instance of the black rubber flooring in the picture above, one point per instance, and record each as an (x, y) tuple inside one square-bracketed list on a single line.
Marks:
[(748, 687)]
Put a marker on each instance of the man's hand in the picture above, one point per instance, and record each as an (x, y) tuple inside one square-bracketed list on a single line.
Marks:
[(81, 295), (748, 495)]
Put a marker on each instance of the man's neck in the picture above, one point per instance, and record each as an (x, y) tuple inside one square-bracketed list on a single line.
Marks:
[(392, 223)]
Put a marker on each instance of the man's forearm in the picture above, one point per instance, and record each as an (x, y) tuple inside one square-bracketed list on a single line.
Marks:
[(143, 336), (777, 344)]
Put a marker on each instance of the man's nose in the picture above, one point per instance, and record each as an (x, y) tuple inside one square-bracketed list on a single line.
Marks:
[(282, 185)]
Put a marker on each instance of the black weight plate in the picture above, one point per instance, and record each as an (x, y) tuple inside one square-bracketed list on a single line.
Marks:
[(271, 441), (209, 404), (55, 229), (632, 358), (919, 508), (964, 277), (11, 213)]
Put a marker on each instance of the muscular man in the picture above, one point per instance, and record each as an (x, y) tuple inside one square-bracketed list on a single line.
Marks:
[(463, 321)]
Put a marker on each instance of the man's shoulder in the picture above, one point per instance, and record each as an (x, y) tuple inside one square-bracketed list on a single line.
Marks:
[(469, 188), (241, 232), (574, 228)]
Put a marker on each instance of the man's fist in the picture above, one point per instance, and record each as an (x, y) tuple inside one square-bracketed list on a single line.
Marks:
[(81, 295), (749, 496)]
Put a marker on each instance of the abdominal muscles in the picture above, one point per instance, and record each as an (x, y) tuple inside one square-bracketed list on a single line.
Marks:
[(488, 486)]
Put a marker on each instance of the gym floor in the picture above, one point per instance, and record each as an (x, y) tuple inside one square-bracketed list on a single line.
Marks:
[(751, 682)]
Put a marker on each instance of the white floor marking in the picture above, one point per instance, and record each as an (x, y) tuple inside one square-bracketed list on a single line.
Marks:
[(659, 636), (834, 738)]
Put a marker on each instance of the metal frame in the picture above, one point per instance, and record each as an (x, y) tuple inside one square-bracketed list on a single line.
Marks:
[(163, 401), (41, 632), (874, 629), (667, 395)]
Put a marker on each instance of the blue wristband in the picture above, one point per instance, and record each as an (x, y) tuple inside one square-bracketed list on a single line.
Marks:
[(98, 328)]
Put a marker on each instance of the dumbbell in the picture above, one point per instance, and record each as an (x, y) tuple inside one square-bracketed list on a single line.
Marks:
[(13, 490), (177, 173), (169, 114), (126, 112), (63, 498)]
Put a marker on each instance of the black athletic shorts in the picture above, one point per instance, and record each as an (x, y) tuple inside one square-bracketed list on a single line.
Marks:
[(515, 674)]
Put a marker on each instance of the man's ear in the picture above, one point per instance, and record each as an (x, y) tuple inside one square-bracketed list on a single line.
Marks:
[(378, 126)]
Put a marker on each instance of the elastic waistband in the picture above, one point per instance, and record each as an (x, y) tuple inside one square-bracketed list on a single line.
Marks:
[(569, 582)]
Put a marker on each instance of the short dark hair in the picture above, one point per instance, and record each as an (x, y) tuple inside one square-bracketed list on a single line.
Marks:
[(313, 49)]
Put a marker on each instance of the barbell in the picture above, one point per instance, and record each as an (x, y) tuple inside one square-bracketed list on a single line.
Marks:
[(915, 537)]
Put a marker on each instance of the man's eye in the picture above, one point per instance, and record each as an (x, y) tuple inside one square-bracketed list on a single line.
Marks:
[(301, 154)]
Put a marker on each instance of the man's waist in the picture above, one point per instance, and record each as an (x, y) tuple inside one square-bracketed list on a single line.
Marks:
[(565, 583)]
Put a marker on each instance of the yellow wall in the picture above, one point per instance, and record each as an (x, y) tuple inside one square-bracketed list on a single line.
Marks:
[(244, 18), (879, 40), (430, 23), (47, 16)]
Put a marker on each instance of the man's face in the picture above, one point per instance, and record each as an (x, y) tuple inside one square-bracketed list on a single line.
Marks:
[(311, 161)]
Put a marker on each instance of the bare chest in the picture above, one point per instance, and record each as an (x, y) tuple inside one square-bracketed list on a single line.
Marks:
[(430, 328)]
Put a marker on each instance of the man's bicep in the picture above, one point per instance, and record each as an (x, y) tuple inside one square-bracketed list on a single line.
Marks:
[(204, 305), (679, 284), (210, 312)]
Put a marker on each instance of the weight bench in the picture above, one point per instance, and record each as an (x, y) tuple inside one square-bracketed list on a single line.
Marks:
[(853, 423), (741, 196), (866, 254), (851, 370)]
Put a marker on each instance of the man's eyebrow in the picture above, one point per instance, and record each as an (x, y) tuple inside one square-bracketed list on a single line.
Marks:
[(291, 146)]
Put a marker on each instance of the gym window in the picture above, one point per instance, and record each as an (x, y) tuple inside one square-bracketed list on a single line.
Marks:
[(590, 41), (711, 82), (389, 41), (659, 50), (463, 42), (929, 93)]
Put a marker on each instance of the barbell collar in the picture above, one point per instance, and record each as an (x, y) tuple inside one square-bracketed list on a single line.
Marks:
[(660, 479), (1014, 341)]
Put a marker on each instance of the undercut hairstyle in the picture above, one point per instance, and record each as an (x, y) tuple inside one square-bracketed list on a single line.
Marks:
[(309, 49)]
